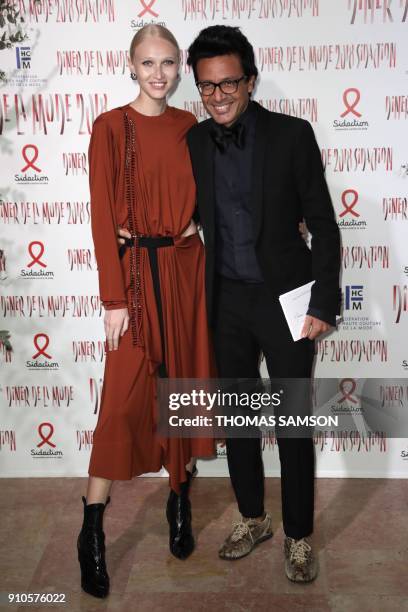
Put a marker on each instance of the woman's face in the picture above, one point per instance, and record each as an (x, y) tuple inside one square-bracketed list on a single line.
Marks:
[(155, 62)]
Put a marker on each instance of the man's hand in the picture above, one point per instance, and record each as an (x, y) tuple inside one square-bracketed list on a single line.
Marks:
[(304, 232), (312, 327), (116, 324), (122, 233)]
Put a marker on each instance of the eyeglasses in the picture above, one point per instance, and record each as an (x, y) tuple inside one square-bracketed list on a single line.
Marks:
[(229, 86)]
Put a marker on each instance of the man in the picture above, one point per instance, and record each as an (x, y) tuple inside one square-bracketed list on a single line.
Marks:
[(258, 174)]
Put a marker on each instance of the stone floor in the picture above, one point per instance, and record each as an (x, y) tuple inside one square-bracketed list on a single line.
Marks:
[(361, 535)]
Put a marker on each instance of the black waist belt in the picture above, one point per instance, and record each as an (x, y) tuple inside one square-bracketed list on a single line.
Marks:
[(152, 243)]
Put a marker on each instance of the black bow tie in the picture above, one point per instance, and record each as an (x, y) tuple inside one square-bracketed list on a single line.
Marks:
[(223, 136)]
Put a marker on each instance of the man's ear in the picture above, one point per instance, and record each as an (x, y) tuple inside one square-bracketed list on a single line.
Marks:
[(251, 83)]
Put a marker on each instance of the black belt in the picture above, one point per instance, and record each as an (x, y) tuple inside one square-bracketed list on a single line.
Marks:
[(153, 243)]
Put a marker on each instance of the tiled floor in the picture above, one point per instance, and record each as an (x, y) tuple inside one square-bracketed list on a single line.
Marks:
[(361, 534)]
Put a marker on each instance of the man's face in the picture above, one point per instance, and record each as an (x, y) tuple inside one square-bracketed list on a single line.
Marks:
[(224, 108)]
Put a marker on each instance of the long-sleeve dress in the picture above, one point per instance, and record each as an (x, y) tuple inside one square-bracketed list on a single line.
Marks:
[(141, 178)]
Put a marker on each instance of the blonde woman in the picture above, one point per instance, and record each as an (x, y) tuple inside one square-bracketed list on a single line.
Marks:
[(152, 291)]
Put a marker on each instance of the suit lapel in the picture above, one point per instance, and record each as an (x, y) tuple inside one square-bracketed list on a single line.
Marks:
[(258, 166), (207, 201)]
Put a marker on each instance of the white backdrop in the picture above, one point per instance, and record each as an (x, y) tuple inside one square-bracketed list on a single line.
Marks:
[(341, 65)]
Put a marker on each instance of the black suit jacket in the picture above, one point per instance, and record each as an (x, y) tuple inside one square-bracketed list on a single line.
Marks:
[(288, 185)]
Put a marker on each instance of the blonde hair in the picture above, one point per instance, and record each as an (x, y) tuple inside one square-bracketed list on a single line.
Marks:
[(153, 29)]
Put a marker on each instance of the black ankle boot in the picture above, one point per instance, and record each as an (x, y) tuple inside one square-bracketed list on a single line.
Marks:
[(91, 551), (179, 517)]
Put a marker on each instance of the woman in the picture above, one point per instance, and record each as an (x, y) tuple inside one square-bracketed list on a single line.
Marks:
[(153, 293)]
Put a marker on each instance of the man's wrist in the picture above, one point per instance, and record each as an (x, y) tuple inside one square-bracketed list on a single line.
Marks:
[(323, 315)]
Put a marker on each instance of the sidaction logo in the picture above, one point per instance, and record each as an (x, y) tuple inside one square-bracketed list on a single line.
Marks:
[(147, 8), (36, 266), (147, 14), (50, 451), (350, 118), (348, 402), (350, 217), (32, 173), (41, 343)]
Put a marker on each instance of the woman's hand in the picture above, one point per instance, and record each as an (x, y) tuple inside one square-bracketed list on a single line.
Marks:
[(122, 233), (191, 229), (116, 323)]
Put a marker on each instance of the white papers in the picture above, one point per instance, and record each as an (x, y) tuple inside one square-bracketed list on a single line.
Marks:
[(295, 305)]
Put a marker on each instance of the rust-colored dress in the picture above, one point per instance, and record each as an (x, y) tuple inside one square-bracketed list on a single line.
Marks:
[(141, 178)]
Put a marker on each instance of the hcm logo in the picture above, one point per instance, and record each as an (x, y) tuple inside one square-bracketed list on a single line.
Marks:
[(353, 297), (23, 58)]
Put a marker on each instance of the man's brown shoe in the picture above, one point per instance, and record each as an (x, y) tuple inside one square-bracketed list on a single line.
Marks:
[(244, 536), (300, 562)]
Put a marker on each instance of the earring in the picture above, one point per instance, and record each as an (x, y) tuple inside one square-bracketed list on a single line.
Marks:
[(133, 76)]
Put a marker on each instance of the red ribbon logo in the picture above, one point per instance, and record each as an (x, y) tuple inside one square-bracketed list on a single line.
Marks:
[(45, 439), (41, 349), (147, 8), (36, 258), (350, 108), (348, 394), (30, 162), (349, 207)]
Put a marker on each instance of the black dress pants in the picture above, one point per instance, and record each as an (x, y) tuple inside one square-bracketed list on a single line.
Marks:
[(248, 320)]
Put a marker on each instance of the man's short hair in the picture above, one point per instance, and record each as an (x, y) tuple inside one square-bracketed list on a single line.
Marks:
[(222, 40)]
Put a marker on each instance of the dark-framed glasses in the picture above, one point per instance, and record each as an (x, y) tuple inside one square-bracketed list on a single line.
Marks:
[(228, 86)]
